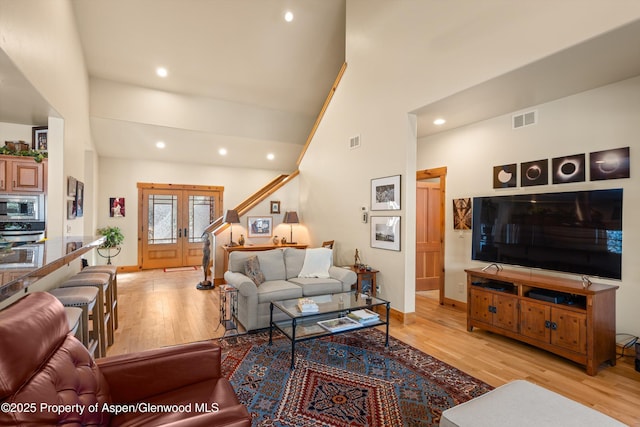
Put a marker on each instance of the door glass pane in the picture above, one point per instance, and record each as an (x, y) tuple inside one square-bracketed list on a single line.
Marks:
[(201, 211), (163, 219)]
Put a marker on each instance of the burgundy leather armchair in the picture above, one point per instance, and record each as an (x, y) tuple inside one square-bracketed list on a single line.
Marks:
[(47, 377)]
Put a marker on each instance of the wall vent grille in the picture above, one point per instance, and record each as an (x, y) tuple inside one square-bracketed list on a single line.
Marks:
[(525, 119), (354, 142)]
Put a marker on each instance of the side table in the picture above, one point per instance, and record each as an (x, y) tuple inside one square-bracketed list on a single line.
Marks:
[(366, 280), (228, 309)]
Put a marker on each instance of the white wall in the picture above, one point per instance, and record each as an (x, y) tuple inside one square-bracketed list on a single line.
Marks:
[(600, 119), (402, 55), (119, 178), (40, 38)]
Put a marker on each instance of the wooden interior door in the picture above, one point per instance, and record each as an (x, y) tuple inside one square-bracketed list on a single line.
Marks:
[(428, 236), (172, 221)]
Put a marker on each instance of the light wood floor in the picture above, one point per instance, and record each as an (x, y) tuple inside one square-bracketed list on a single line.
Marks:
[(159, 309)]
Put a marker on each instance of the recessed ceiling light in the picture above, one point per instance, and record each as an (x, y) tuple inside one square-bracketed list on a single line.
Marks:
[(439, 122), (222, 151), (271, 156), (288, 16), (160, 144), (162, 72)]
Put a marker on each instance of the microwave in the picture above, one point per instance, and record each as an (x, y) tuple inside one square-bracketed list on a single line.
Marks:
[(21, 208)]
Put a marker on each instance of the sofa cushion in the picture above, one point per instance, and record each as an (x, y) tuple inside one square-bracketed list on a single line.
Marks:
[(316, 263), (271, 262), (252, 270), (293, 260), (274, 290), (313, 286)]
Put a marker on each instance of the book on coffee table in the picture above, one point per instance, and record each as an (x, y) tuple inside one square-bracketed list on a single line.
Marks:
[(339, 324)]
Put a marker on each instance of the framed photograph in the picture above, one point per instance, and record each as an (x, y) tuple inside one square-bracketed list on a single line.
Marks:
[(71, 209), (259, 226), (71, 186), (385, 193), (72, 246), (116, 207), (275, 207), (568, 169), (462, 214), (79, 198), (534, 173), (385, 232), (609, 164), (39, 138), (505, 176)]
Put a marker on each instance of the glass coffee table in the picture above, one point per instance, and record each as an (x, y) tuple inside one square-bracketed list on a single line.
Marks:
[(335, 315)]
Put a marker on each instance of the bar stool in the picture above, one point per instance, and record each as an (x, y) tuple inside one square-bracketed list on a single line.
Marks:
[(113, 272), (74, 318), (101, 281), (87, 299)]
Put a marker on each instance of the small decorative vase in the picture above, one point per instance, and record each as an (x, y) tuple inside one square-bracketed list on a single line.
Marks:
[(241, 240), (284, 240), (275, 240)]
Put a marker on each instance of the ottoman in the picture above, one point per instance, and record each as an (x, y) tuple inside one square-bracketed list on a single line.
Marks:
[(523, 404)]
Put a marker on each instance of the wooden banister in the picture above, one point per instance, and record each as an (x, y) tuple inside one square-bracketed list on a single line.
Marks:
[(250, 202)]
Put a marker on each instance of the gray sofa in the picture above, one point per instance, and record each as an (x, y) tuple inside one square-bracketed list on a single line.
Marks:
[(281, 268)]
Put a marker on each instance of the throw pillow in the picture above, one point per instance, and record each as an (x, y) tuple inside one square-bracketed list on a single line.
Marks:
[(316, 263), (252, 270)]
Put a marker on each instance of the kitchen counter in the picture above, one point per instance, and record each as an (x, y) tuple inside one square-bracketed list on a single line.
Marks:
[(21, 266)]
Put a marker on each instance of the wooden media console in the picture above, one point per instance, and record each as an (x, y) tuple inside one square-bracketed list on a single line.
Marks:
[(563, 316)]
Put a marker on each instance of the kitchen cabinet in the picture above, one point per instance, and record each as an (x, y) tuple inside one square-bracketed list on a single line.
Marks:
[(22, 175)]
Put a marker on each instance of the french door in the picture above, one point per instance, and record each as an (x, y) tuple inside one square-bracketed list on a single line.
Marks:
[(172, 220)]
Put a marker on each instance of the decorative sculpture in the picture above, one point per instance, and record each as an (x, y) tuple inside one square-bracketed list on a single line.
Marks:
[(206, 260)]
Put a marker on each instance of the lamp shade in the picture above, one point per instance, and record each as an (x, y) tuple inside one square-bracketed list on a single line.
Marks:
[(231, 217), (291, 217)]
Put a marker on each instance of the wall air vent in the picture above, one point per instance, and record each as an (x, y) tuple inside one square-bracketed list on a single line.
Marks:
[(525, 119), (354, 142)]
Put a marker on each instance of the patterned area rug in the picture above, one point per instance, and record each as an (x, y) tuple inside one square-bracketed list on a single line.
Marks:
[(349, 379)]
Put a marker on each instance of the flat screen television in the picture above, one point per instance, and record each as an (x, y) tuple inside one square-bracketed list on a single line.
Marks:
[(574, 232)]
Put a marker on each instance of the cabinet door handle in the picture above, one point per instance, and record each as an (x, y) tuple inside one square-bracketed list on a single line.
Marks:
[(554, 326), (179, 232), (547, 324), (186, 233)]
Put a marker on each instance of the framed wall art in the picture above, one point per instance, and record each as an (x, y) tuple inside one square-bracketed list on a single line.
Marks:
[(462, 214), (71, 186), (385, 193), (609, 164), (39, 138), (71, 209), (505, 176), (274, 207), (568, 169), (259, 226), (79, 199), (116, 207), (385, 232), (534, 173)]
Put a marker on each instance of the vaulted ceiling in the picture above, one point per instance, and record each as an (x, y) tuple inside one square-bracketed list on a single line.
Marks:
[(232, 58), (242, 56)]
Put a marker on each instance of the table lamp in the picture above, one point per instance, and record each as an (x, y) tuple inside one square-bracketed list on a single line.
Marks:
[(231, 217), (291, 218)]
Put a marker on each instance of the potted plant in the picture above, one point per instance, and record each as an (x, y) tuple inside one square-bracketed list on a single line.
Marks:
[(113, 237)]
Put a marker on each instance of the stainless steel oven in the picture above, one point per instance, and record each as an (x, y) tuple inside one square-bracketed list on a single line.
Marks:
[(21, 232), (22, 218), (21, 208)]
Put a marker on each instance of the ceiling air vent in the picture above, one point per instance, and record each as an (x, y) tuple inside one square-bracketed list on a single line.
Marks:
[(525, 119), (354, 142)]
